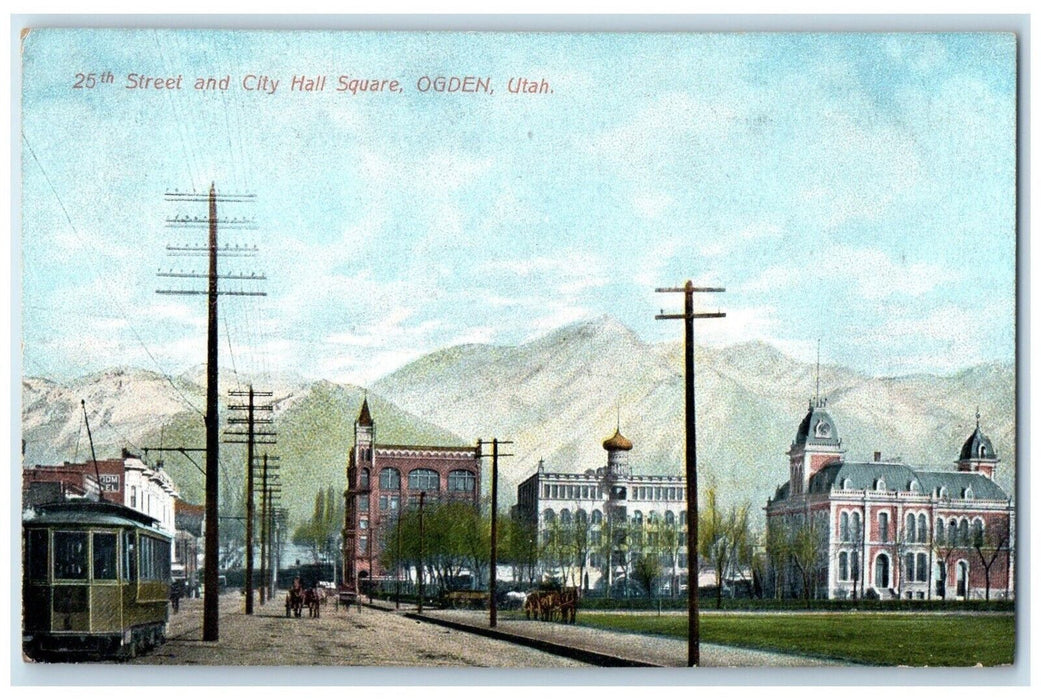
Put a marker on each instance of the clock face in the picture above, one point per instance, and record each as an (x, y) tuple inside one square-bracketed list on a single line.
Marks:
[(823, 429)]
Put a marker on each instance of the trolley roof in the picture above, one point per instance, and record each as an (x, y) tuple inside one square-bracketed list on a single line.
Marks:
[(91, 513)]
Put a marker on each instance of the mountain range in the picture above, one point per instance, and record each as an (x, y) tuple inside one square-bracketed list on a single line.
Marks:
[(556, 398)]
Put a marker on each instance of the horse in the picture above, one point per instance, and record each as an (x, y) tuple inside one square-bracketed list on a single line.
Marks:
[(532, 606), (313, 602), (295, 599)]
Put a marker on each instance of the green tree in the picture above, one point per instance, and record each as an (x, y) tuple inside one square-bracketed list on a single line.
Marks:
[(646, 570)]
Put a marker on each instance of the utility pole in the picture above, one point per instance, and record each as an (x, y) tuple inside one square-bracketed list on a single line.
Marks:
[(265, 527), (688, 316), (493, 609), (211, 624), (422, 536), (252, 437), (94, 457)]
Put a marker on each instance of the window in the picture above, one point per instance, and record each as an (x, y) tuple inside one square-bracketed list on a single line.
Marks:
[(597, 518), (133, 497), (856, 531), (670, 518), (154, 559), (129, 557), (565, 517), (963, 579), (883, 526), (363, 483), (909, 567), (921, 568), (637, 518), (363, 503), (910, 535), (70, 555), (581, 518), (977, 532), (963, 533), (38, 554), (548, 516), (363, 524), (923, 528), (390, 502), (939, 531), (105, 556), (461, 481), (967, 493), (843, 566), (363, 544), (424, 480), (390, 479), (844, 526)]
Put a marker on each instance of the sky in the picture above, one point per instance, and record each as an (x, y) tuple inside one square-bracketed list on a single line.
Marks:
[(853, 188)]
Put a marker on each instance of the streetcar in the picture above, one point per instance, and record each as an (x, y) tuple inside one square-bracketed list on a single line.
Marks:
[(95, 581)]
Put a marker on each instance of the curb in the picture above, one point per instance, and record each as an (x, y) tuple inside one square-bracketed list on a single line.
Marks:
[(595, 658)]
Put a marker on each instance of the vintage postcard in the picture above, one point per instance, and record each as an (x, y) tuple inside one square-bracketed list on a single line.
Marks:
[(492, 349)]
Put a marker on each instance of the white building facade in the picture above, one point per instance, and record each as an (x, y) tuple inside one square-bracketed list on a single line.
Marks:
[(593, 527)]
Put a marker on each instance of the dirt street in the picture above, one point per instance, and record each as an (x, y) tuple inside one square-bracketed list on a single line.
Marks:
[(338, 638)]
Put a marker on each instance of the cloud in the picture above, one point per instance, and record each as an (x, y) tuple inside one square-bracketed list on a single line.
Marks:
[(868, 273)]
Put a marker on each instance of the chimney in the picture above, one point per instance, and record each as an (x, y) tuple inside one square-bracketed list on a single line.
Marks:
[(878, 456)]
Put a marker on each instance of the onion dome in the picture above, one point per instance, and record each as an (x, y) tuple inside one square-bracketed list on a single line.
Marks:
[(617, 442), (364, 417)]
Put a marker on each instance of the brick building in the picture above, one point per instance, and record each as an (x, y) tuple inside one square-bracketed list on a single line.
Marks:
[(383, 479), (126, 480), (888, 530)]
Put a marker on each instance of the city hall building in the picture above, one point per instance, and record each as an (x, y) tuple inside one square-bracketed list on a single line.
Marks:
[(383, 479), (884, 529), (603, 518)]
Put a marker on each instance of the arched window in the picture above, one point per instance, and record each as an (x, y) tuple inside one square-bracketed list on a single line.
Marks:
[(856, 531), (963, 533), (963, 579), (548, 516), (565, 517), (581, 518), (952, 532), (910, 535), (597, 518), (921, 568), (461, 481), (943, 492), (390, 479), (653, 517), (880, 484), (882, 571), (844, 526), (914, 487), (363, 482), (670, 518), (637, 518), (967, 493), (923, 528), (909, 567), (846, 484), (843, 566), (977, 532), (883, 526), (424, 480), (939, 530)]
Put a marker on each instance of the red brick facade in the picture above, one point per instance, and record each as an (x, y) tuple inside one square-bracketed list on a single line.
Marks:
[(384, 479)]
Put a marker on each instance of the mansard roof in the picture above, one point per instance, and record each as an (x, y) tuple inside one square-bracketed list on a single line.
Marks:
[(817, 428), (900, 477), (977, 447)]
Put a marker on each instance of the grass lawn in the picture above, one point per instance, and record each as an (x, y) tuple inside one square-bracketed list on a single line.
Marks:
[(886, 639)]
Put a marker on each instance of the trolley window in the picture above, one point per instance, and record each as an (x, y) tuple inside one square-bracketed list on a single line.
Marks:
[(129, 557), (38, 555), (105, 556), (70, 555), (154, 559)]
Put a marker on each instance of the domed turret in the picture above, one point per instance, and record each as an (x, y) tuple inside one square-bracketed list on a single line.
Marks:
[(977, 454), (817, 428), (617, 460)]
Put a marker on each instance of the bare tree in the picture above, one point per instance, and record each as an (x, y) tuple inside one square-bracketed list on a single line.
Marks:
[(989, 546)]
